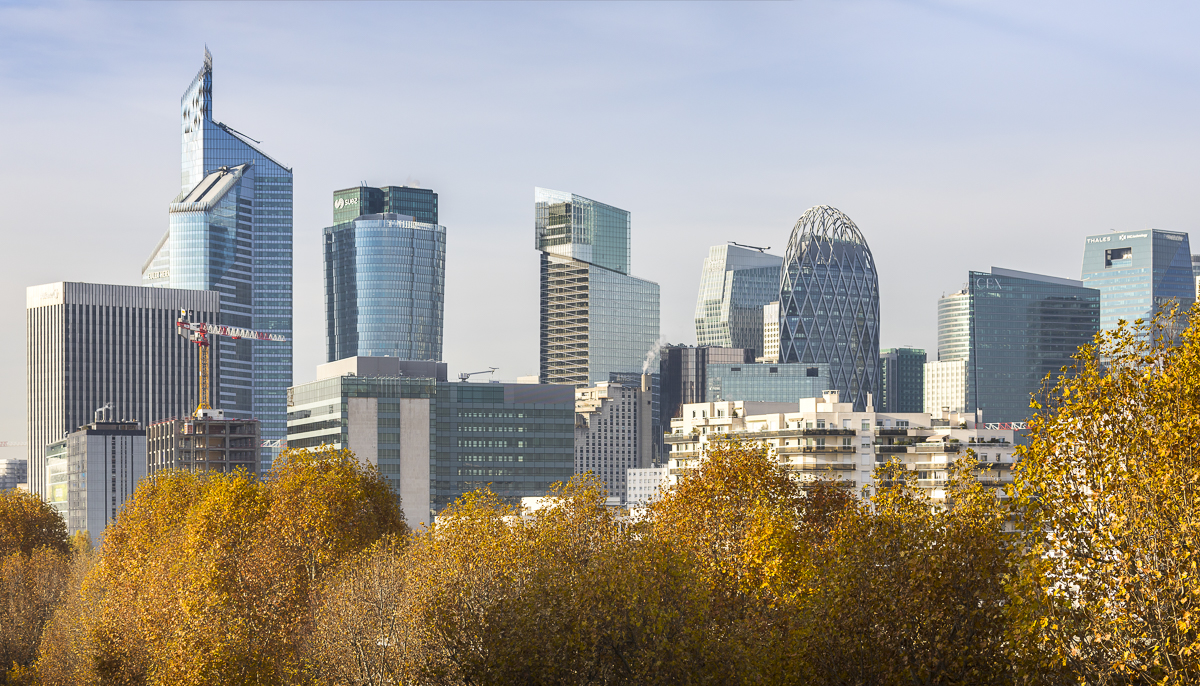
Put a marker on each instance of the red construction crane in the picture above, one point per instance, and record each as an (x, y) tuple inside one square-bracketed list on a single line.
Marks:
[(199, 333)]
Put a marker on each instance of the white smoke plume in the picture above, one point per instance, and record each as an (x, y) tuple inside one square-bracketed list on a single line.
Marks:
[(652, 355)]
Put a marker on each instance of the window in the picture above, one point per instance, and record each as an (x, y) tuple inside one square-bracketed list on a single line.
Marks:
[(812, 371), (820, 423), (845, 423), (866, 425)]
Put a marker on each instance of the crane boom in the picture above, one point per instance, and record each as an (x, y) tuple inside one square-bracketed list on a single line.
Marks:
[(198, 332)]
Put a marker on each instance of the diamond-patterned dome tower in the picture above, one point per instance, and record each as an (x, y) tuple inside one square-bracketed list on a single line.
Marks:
[(829, 303)]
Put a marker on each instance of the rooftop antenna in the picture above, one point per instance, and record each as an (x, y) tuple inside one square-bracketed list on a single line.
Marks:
[(752, 247)]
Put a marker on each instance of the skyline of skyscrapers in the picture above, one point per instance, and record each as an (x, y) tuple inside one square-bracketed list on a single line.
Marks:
[(829, 303), (385, 275), (230, 230), (735, 284), (1138, 273), (595, 319)]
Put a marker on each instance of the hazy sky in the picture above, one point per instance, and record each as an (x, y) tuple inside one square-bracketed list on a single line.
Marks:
[(957, 136)]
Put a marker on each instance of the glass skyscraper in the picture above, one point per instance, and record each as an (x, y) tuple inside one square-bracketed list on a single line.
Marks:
[(735, 284), (231, 232), (901, 380), (596, 319), (1138, 273), (1000, 337), (829, 303), (385, 275)]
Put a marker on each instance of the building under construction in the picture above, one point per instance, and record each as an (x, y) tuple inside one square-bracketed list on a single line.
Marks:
[(207, 443)]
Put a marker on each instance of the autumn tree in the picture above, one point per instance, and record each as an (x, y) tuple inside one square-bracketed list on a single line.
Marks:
[(27, 522), (906, 592), (207, 578), (1108, 497)]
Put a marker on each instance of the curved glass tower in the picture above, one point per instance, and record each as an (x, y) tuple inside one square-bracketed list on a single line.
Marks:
[(829, 303)]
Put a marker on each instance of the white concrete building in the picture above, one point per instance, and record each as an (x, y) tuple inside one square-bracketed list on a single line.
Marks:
[(613, 431), (643, 485), (945, 386), (823, 437), (770, 332)]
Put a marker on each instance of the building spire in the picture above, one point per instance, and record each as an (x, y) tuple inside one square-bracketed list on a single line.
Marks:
[(207, 58)]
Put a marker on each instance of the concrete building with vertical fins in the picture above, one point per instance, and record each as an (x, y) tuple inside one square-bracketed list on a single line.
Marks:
[(90, 344)]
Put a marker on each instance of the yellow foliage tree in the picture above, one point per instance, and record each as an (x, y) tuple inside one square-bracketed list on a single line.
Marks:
[(27, 522), (1108, 494)]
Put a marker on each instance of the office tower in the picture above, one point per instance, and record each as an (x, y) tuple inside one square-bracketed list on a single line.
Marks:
[(96, 469), (230, 231), (683, 372), (212, 443), (595, 317), (901, 380), (13, 472), (1196, 273), (1001, 335), (770, 318), (614, 432), (421, 204), (90, 344), (1138, 273), (385, 274), (769, 383), (735, 284), (657, 426), (829, 303), (434, 441)]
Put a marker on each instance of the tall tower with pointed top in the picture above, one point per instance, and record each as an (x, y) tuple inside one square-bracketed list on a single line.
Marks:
[(230, 231), (829, 303)]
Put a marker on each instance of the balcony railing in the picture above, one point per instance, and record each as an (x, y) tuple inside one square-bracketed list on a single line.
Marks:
[(839, 467)]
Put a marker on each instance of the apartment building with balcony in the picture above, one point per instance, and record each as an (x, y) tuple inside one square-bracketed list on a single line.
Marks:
[(824, 437)]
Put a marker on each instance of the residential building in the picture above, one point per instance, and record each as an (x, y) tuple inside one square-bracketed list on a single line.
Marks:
[(105, 462), (1001, 336), (434, 441), (735, 284), (829, 303), (1138, 273), (769, 383), (90, 344), (824, 437), (770, 333), (385, 274), (230, 231), (658, 449), (902, 380), (645, 484), (595, 318), (684, 373), (614, 431), (210, 442), (13, 472)]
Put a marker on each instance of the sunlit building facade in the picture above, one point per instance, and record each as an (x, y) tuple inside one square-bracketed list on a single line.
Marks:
[(1139, 273), (596, 319), (735, 284)]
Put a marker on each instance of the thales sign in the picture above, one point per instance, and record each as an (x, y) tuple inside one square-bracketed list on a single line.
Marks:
[(344, 202)]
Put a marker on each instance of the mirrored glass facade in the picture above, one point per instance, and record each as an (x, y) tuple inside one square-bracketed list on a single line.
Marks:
[(901, 380), (596, 319), (829, 303), (1138, 273), (419, 203), (735, 284), (770, 383), (240, 246), (385, 277), (1009, 330)]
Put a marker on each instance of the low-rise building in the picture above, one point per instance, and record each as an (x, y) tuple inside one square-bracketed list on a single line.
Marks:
[(823, 437), (435, 440), (13, 473), (613, 431), (643, 485)]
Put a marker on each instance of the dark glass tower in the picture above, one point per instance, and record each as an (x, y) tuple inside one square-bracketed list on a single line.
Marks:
[(829, 303), (901, 380), (385, 274), (231, 232)]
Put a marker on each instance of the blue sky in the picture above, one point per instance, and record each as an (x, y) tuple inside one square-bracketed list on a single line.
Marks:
[(957, 135)]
